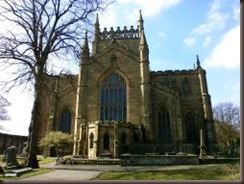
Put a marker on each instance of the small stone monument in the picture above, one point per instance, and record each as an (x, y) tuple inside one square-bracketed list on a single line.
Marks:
[(10, 154), (24, 150)]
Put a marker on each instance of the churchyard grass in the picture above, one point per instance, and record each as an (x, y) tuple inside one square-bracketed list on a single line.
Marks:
[(221, 172), (45, 160), (26, 175), (41, 159)]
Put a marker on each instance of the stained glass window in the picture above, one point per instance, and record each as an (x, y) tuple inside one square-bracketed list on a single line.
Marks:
[(164, 130), (113, 98), (65, 124)]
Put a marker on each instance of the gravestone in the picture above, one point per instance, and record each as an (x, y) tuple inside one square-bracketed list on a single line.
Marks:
[(11, 160)]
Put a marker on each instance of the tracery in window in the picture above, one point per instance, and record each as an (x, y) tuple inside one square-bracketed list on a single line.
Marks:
[(191, 128), (164, 130), (65, 124), (113, 98)]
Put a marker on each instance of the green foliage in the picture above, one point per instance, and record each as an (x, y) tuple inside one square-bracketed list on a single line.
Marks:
[(211, 173), (227, 124), (56, 139)]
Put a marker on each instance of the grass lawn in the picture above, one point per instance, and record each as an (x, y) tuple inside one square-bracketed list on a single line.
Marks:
[(38, 171), (222, 172), (32, 173)]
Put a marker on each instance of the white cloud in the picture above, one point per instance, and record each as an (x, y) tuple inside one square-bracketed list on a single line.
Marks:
[(162, 35), (108, 18), (236, 13), (189, 41), (129, 11), (150, 8), (227, 53), (216, 20), (207, 41)]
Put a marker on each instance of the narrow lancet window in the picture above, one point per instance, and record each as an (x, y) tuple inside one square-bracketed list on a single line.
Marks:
[(164, 130), (65, 124)]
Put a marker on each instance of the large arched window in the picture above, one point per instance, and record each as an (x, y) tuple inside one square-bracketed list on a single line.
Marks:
[(164, 130), (113, 98), (191, 128), (65, 124)]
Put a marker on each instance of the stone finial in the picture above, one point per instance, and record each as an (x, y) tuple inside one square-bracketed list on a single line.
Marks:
[(97, 28), (198, 63), (85, 42), (97, 19), (140, 16), (141, 27), (85, 50), (143, 40)]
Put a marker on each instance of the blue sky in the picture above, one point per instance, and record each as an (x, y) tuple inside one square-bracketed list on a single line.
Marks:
[(176, 31)]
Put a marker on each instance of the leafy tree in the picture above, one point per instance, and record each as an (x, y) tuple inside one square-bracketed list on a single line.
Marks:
[(227, 121), (56, 139), (47, 31), (4, 103)]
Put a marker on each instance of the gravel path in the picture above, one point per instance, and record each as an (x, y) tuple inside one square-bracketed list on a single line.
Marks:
[(88, 172), (61, 175)]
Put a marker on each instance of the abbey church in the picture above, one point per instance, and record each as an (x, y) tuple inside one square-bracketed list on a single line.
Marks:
[(117, 105)]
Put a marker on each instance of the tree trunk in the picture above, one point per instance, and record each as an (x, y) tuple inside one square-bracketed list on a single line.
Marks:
[(33, 130)]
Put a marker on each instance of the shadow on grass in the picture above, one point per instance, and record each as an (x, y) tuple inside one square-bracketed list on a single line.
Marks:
[(214, 173), (26, 175)]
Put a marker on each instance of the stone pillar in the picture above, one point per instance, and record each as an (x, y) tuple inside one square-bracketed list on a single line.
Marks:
[(116, 151)]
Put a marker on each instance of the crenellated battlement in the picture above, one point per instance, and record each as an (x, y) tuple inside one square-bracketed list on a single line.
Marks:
[(131, 33), (173, 72)]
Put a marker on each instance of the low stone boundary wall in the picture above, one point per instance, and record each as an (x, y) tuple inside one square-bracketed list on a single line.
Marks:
[(159, 160), (219, 160)]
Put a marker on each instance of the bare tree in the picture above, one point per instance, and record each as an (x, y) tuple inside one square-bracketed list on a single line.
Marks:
[(4, 103), (227, 121), (46, 29)]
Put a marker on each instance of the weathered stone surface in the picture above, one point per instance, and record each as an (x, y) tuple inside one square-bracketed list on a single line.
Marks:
[(11, 156), (162, 108)]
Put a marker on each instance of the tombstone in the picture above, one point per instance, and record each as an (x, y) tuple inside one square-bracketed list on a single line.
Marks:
[(11, 160)]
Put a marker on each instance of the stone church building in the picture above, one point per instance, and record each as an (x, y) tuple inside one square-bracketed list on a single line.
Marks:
[(117, 105)]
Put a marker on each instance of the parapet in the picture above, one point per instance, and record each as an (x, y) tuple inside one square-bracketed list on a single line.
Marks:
[(119, 34), (174, 72)]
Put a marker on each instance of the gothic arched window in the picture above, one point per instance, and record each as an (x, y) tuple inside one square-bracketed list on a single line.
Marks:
[(191, 128), (65, 124), (164, 130), (106, 141), (91, 140), (113, 98)]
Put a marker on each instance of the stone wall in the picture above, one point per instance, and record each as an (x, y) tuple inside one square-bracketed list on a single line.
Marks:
[(160, 160)]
